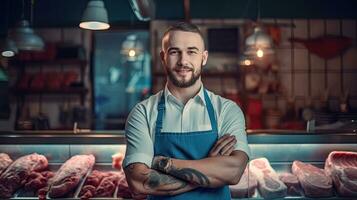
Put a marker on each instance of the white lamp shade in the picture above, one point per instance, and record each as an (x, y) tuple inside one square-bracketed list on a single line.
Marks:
[(9, 48), (25, 38), (95, 16)]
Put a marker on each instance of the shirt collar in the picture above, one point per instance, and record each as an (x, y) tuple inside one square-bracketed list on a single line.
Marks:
[(200, 95)]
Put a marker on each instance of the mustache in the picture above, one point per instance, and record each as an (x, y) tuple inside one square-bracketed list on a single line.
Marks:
[(183, 68)]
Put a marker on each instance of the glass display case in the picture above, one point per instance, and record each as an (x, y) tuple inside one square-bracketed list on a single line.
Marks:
[(280, 150)]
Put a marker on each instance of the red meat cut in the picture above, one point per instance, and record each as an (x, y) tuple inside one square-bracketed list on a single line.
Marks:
[(269, 184), (16, 174), (246, 186), (90, 185), (38, 180), (70, 174), (341, 166), (313, 180), (123, 188), (292, 182), (5, 161), (108, 184)]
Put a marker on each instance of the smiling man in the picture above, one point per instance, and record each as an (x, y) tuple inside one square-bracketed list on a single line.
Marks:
[(185, 142)]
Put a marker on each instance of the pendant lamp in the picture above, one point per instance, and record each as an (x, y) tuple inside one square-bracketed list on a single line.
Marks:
[(9, 48), (259, 43), (25, 38), (132, 48), (95, 16)]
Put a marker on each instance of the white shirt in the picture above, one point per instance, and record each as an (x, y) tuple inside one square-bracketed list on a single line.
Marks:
[(141, 122)]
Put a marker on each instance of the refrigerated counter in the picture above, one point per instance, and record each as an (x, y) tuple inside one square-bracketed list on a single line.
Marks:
[(280, 148)]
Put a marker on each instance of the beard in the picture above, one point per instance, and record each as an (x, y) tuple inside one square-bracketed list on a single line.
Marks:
[(184, 83)]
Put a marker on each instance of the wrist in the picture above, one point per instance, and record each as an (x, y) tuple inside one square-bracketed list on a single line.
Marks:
[(162, 163)]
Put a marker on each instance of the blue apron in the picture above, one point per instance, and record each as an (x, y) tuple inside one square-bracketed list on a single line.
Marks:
[(188, 146)]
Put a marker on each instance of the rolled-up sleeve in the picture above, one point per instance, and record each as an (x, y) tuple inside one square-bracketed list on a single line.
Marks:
[(139, 144), (233, 122)]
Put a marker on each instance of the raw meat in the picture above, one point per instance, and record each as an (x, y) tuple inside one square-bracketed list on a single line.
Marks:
[(269, 184), (16, 174), (313, 180), (108, 184), (5, 161), (117, 160), (292, 182), (246, 186), (91, 183), (341, 166), (123, 188), (70, 174), (38, 180)]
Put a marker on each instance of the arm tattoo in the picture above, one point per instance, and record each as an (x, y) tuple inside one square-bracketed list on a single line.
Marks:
[(162, 182), (165, 165), (191, 175)]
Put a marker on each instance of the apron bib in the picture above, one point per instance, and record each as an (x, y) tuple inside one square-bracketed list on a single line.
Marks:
[(188, 146)]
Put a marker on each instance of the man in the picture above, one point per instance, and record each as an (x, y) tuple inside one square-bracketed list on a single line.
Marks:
[(173, 150)]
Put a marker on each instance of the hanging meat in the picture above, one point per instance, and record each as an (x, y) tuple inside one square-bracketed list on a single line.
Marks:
[(326, 47)]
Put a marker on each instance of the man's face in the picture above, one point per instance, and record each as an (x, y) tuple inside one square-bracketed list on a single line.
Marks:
[(183, 56)]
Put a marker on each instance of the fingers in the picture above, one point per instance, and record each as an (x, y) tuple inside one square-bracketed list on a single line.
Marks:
[(223, 144), (215, 149), (228, 149)]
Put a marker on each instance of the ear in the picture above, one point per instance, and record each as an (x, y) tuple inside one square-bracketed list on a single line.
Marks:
[(162, 57), (204, 57)]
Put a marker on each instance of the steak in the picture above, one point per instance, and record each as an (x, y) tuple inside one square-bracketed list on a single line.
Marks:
[(269, 184), (70, 174), (313, 180), (17, 173), (341, 166), (5, 161), (245, 187), (292, 182)]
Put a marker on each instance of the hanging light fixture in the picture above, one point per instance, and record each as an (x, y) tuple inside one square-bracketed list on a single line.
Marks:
[(95, 16), (24, 36), (259, 43), (9, 48), (132, 48)]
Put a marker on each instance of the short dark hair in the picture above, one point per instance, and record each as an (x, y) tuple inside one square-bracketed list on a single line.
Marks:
[(187, 27)]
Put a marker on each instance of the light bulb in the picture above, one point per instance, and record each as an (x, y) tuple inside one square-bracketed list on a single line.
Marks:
[(131, 53), (247, 62), (260, 53)]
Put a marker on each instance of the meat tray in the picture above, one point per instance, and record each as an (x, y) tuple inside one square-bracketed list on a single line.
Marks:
[(286, 167), (23, 194)]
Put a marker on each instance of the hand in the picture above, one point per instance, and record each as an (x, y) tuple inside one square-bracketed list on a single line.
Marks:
[(224, 146)]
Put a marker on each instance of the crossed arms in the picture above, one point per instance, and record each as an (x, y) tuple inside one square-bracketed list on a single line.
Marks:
[(169, 176)]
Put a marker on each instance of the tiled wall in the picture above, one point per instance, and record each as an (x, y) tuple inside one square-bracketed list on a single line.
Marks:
[(299, 70)]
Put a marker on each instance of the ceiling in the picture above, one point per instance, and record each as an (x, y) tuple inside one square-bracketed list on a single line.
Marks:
[(67, 13)]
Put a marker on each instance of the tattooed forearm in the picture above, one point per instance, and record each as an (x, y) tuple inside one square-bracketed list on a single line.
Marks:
[(164, 164), (190, 175), (162, 182)]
